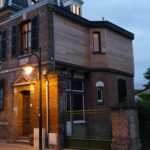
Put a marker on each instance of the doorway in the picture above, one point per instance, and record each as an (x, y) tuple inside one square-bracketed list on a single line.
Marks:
[(26, 113)]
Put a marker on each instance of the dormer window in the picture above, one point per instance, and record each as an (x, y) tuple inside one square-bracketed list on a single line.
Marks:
[(1, 3), (76, 10), (75, 6)]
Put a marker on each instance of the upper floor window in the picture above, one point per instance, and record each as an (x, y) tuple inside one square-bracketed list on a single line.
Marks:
[(96, 42), (26, 38), (99, 86), (122, 90), (14, 40), (29, 36), (76, 10)]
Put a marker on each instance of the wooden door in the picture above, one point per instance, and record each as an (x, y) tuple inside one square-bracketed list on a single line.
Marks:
[(26, 113)]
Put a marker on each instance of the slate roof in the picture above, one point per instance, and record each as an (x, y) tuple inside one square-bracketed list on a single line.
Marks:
[(63, 11), (17, 4)]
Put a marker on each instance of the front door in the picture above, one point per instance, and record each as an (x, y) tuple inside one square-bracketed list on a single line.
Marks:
[(26, 113)]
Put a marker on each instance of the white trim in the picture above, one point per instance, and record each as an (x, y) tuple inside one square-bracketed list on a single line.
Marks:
[(79, 121), (99, 84), (10, 2), (6, 12), (3, 123), (1, 3), (17, 6), (23, 83)]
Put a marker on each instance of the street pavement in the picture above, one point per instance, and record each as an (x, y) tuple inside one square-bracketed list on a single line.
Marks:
[(6, 146)]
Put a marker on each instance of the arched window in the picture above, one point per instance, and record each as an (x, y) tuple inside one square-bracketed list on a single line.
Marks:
[(122, 90)]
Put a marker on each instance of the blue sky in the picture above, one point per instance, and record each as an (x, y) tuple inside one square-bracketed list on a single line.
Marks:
[(134, 16)]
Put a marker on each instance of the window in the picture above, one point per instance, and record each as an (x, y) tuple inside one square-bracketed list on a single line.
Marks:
[(30, 36), (1, 94), (75, 99), (99, 93), (99, 86), (34, 1), (96, 42), (1, 3), (76, 10), (14, 41), (122, 90), (35, 33), (26, 38), (3, 45)]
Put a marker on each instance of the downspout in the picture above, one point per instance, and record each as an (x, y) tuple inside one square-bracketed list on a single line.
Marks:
[(47, 110), (47, 83)]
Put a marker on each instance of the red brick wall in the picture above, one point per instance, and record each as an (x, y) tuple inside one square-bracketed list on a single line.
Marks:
[(11, 69), (110, 89), (125, 132)]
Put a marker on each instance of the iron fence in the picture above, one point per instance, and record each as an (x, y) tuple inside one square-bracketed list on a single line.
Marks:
[(92, 127)]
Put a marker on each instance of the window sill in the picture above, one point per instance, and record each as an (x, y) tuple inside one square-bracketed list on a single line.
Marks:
[(98, 53), (78, 122)]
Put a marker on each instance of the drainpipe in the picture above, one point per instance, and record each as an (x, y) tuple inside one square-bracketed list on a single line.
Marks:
[(47, 111)]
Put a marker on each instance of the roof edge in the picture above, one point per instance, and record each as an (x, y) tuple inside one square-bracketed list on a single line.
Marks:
[(93, 24)]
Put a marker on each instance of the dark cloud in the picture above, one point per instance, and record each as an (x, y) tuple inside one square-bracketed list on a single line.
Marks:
[(132, 15)]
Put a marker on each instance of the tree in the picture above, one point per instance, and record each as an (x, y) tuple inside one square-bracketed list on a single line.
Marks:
[(147, 76)]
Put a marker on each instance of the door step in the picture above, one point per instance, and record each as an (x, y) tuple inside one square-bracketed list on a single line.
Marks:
[(23, 140)]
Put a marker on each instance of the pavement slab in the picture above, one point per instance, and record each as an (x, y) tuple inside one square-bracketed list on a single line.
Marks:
[(6, 146)]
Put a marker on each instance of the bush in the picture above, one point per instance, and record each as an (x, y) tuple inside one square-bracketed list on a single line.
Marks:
[(144, 120)]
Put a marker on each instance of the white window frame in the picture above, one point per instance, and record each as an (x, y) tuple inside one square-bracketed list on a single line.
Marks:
[(99, 86), (83, 100)]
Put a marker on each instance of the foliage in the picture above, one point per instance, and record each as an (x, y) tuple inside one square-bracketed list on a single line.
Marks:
[(144, 120), (147, 76)]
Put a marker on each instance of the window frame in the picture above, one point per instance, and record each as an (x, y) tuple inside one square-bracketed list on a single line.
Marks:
[(99, 88), (100, 101), (25, 50), (99, 42), (80, 92), (122, 86), (76, 10)]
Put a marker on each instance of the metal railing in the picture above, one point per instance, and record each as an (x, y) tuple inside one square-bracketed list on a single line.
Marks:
[(90, 125)]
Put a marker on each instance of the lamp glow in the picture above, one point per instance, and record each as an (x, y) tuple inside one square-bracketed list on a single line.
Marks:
[(28, 69)]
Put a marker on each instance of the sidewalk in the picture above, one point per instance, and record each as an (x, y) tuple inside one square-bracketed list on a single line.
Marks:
[(6, 146)]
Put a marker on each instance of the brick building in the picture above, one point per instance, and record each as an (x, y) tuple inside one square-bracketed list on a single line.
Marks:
[(87, 76)]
